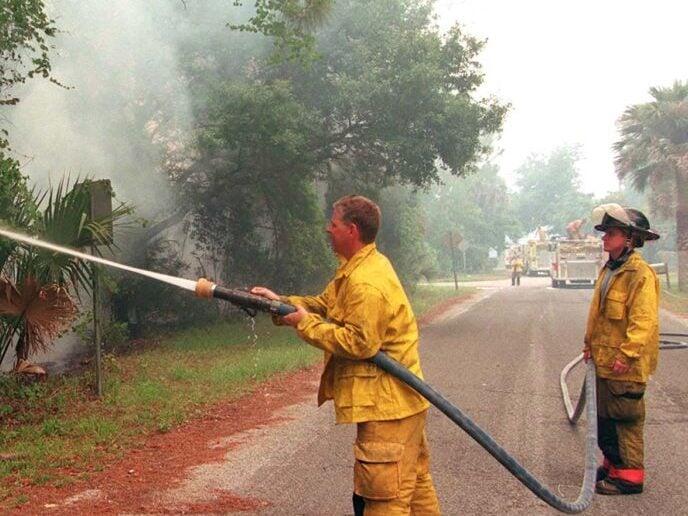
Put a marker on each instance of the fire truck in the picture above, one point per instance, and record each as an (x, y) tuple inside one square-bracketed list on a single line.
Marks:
[(576, 262), (537, 257)]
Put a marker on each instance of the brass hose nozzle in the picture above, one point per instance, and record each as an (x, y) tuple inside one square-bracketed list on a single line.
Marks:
[(204, 288)]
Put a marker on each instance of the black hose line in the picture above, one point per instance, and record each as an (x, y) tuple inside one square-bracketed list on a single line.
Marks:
[(673, 344), (574, 414), (391, 366), (486, 441), (247, 301)]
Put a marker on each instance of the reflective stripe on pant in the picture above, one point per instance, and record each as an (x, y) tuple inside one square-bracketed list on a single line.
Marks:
[(620, 421), (392, 467)]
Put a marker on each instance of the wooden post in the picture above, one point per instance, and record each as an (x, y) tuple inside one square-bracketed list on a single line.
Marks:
[(453, 257), (96, 329)]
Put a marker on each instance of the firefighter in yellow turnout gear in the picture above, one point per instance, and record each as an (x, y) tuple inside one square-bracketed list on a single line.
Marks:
[(622, 337), (364, 310), (516, 270)]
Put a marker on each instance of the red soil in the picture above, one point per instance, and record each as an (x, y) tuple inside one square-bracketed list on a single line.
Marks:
[(129, 484)]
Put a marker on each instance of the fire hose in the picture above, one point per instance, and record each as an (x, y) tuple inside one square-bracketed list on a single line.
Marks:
[(253, 304), (573, 414)]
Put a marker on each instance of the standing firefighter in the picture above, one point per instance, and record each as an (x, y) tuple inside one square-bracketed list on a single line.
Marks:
[(516, 270), (364, 310), (622, 336)]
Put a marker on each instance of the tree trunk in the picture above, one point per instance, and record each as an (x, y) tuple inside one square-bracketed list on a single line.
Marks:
[(682, 228), (22, 349)]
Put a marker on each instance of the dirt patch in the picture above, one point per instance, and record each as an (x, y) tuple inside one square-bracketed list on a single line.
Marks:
[(130, 484), (440, 309)]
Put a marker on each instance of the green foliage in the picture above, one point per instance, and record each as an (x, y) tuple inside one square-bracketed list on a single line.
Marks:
[(653, 138), (150, 305), (478, 209), (62, 218), (17, 204), (388, 99), (289, 23), (403, 235), (425, 297), (114, 334), (549, 191), (13, 189), (254, 205), (394, 96), (25, 31)]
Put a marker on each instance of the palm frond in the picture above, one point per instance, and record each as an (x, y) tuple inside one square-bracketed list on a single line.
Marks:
[(35, 303)]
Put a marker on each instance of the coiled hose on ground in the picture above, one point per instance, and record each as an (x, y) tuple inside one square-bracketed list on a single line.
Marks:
[(573, 414)]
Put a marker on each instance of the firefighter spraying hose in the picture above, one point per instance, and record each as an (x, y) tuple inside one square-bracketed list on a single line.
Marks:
[(253, 304)]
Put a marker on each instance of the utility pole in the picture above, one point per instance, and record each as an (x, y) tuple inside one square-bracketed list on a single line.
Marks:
[(96, 326), (454, 240), (453, 259)]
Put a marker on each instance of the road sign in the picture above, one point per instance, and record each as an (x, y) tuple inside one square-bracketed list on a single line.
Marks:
[(453, 239)]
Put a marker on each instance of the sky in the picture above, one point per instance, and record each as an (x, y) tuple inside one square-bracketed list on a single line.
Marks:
[(570, 68)]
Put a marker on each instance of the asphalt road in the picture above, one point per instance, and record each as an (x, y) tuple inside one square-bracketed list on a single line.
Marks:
[(498, 359)]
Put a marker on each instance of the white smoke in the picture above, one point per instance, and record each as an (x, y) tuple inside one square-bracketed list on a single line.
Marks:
[(126, 111)]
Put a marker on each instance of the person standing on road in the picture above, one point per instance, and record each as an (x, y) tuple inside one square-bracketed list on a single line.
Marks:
[(622, 337), (516, 269), (363, 310)]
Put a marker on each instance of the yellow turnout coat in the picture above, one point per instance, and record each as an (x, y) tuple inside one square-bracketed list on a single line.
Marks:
[(624, 324), (363, 310)]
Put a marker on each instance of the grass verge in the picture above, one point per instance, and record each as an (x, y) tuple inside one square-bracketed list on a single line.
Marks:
[(495, 274), (60, 423), (425, 297)]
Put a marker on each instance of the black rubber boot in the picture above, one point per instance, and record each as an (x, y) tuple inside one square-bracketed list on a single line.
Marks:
[(359, 504), (602, 473), (615, 486)]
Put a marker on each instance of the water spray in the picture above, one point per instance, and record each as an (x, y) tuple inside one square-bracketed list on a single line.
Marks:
[(172, 280), (202, 287)]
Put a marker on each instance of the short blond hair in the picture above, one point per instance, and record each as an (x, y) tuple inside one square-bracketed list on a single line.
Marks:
[(359, 210)]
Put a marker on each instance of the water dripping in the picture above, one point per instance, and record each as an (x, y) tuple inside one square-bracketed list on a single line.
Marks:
[(255, 349)]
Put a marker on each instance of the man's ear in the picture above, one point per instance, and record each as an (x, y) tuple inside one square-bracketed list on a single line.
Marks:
[(355, 231)]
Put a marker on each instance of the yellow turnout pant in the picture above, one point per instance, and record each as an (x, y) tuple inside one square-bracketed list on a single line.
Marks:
[(392, 467)]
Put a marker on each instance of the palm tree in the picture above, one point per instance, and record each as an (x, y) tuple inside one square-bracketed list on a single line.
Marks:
[(653, 151), (37, 286)]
